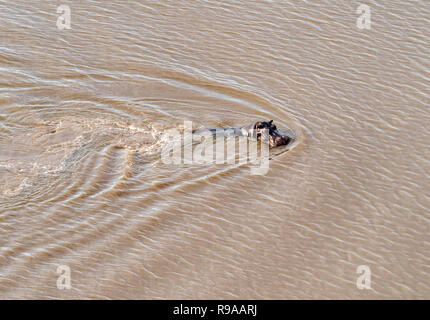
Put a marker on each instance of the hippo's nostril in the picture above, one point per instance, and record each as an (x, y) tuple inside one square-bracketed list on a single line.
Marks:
[(281, 140)]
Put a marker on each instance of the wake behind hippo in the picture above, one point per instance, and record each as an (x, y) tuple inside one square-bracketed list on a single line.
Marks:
[(264, 131)]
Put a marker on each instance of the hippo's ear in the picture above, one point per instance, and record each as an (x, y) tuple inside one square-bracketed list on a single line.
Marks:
[(270, 122)]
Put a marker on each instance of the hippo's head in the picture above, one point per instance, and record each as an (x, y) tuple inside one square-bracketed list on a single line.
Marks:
[(267, 132)]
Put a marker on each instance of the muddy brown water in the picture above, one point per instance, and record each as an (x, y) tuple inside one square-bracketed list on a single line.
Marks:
[(83, 112)]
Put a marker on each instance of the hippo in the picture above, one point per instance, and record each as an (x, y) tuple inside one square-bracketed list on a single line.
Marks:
[(264, 131)]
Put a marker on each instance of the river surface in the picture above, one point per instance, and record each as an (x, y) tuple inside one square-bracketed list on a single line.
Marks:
[(84, 114)]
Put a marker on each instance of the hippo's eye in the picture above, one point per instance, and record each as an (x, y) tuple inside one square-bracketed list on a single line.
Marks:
[(274, 127)]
